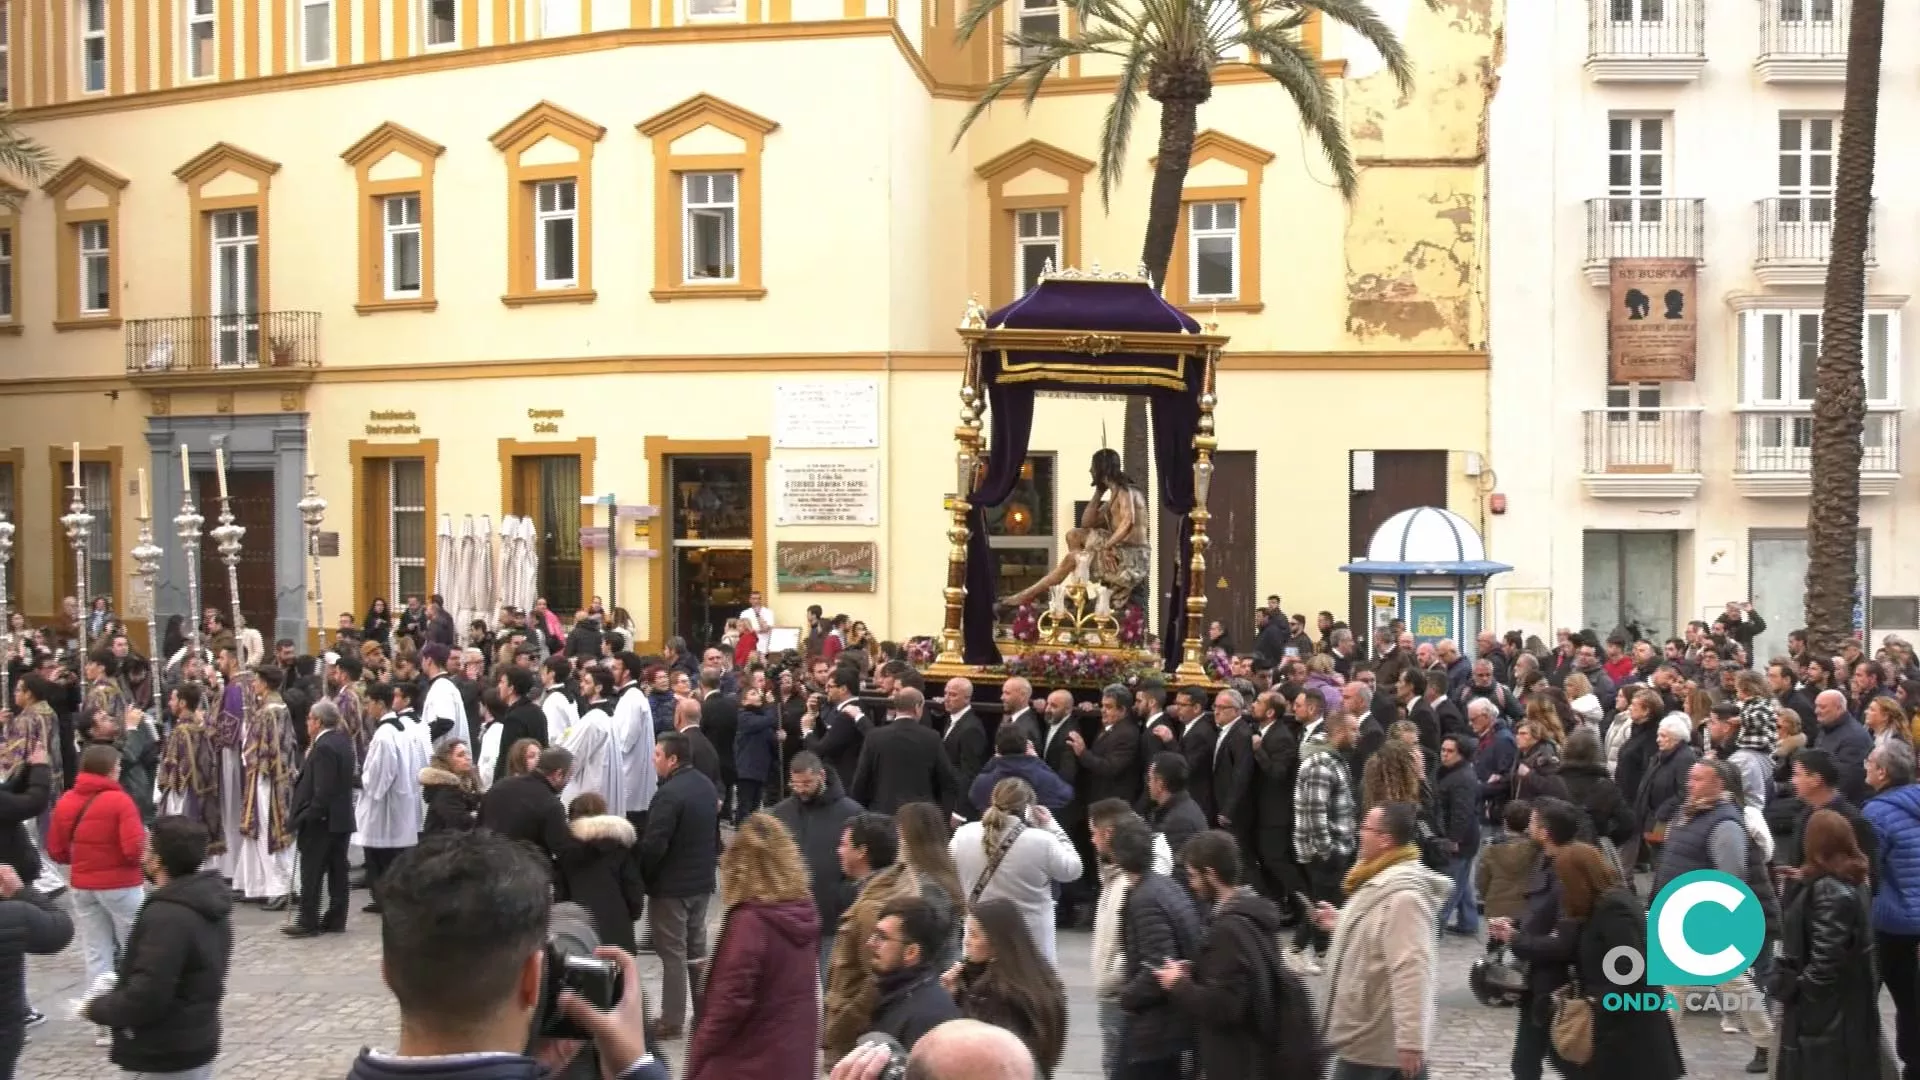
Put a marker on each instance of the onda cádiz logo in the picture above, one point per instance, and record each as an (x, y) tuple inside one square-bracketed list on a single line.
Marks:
[(1704, 929)]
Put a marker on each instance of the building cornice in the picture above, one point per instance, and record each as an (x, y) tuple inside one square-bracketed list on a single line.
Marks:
[(1810, 301)]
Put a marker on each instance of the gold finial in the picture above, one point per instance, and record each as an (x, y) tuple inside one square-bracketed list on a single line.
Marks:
[(976, 316)]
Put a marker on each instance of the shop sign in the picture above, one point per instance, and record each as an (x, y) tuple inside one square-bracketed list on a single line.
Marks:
[(392, 422), (828, 566), (832, 414), (826, 493)]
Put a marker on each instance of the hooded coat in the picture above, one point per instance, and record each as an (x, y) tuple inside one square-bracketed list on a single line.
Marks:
[(758, 1016), (815, 825), (1385, 953), (452, 805), (599, 874), (165, 1008), (1229, 1001)]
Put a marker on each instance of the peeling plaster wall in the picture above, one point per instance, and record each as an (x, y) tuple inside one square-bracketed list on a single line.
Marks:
[(1415, 247)]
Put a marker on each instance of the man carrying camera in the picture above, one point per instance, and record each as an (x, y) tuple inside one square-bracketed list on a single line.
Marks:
[(464, 948)]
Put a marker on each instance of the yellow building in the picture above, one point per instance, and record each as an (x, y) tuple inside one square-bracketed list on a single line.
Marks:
[(737, 236)]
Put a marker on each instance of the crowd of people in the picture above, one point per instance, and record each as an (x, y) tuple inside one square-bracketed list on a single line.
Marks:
[(891, 864)]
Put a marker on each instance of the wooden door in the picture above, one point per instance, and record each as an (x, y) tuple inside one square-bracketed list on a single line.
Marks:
[(252, 498), (1402, 480), (1231, 557), (546, 490)]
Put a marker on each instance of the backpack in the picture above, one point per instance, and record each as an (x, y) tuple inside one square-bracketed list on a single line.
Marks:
[(1294, 1034)]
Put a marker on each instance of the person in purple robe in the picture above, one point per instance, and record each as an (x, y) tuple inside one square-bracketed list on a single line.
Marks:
[(188, 782)]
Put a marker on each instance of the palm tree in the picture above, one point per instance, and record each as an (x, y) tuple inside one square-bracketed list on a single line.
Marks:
[(1170, 50), (1840, 393), (20, 156)]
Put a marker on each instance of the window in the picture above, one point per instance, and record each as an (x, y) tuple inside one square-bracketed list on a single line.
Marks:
[(96, 487), (558, 17), (93, 46), (442, 23), (1021, 529), (712, 236), (714, 10), (96, 268), (1636, 167), (6, 51), (1039, 19), (1806, 168), (1214, 249), (10, 510), (199, 39), (234, 236), (555, 235), (6, 275), (1780, 350), (1804, 11), (316, 31), (407, 526), (1036, 240), (1636, 402), (402, 247), (1638, 11)]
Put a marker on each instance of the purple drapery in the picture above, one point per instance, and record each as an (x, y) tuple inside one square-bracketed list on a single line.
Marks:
[(1172, 384)]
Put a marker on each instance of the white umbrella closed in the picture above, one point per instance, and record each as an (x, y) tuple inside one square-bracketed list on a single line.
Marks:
[(457, 601), (486, 578), (526, 564), (445, 567), (510, 562)]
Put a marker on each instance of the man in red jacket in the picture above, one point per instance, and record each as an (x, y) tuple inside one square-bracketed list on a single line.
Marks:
[(96, 832)]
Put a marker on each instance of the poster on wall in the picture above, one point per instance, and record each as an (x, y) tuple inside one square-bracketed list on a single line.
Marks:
[(826, 493), (826, 566), (1430, 618), (1653, 327), (830, 414)]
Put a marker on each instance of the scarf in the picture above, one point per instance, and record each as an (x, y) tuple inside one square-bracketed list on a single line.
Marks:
[(1368, 869)]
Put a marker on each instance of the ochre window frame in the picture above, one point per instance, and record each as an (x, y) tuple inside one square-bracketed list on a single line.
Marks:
[(587, 449), (13, 461), (372, 509), (669, 255), (387, 139), (59, 477), (82, 172), (528, 129), (209, 165), (1251, 160), (1003, 208), (11, 199)]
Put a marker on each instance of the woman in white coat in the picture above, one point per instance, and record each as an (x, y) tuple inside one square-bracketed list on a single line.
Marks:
[(1017, 851)]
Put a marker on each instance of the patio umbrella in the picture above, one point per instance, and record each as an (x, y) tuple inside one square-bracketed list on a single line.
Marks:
[(526, 565), (486, 577), (444, 567), (458, 602), (510, 562)]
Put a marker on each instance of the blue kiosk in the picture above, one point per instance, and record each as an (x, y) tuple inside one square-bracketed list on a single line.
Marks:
[(1428, 567)]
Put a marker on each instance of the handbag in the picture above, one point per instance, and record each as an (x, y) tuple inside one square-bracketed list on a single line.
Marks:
[(993, 862), (1572, 1025)]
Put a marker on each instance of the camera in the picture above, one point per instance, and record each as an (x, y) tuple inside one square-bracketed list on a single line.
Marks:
[(571, 965), (896, 1067)]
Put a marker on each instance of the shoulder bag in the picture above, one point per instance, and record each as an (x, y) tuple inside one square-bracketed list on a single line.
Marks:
[(993, 862), (1572, 1026)]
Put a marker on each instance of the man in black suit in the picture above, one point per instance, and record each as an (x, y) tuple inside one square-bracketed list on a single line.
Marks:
[(1412, 692), (1191, 734), (523, 719), (322, 820), (831, 728), (1233, 771), (1016, 702), (965, 740), (904, 762), (701, 754), (720, 722)]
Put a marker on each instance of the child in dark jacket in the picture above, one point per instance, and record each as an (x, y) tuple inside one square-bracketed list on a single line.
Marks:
[(599, 873), (1501, 877)]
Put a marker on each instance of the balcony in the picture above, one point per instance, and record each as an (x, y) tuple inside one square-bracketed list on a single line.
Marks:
[(1642, 453), (1647, 41), (1803, 41), (1796, 235), (1642, 228), (255, 349), (1774, 455)]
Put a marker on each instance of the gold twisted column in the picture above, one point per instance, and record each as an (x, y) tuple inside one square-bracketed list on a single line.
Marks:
[(1193, 668), (966, 468)]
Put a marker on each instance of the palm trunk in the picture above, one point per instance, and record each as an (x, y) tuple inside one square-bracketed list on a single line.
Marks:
[(1839, 405)]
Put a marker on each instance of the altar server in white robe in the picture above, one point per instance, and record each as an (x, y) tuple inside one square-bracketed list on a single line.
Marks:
[(560, 710), (388, 816), (597, 765), (633, 724), (444, 709)]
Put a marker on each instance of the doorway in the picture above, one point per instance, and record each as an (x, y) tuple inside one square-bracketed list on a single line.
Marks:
[(546, 491), (1231, 554), (1777, 587), (251, 493), (711, 519), (1630, 582), (1383, 483)]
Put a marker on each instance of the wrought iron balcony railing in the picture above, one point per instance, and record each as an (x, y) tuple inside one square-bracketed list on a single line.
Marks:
[(248, 341), (1803, 41), (1630, 440), (1773, 452), (1646, 40), (1796, 236), (1639, 227)]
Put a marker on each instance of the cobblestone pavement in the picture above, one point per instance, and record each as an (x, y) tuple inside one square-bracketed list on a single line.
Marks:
[(300, 1010)]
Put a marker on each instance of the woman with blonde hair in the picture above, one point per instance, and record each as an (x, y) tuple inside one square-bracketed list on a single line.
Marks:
[(930, 870), (1018, 851), (1887, 721), (1582, 700), (1391, 776), (759, 1016)]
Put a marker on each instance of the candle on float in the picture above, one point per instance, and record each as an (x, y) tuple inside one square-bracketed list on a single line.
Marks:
[(146, 504), (76, 464), (220, 468), (186, 471)]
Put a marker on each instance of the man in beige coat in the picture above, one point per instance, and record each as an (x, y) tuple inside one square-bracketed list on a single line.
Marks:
[(1384, 947)]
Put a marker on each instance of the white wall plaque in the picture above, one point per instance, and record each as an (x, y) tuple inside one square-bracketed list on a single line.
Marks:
[(826, 415), (826, 492)]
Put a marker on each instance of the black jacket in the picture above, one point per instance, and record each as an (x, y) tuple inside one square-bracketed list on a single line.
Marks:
[(1110, 765), (1590, 788), (1233, 793), (680, 851), (522, 720), (703, 757), (1456, 808), (965, 740), (599, 874), (1276, 763), (165, 1009), (1157, 923), (903, 763), (451, 805), (1196, 745), (912, 1003), (720, 721), (584, 640), (1664, 787), (1179, 820), (756, 745), (816, 825), (1428, 721), (1626, 1043), (22, 798), (1636, 758), (1543, 937), (1229, 999), (837, 738), (29, 923), (1825, 978), (323, 795), (526, 808)]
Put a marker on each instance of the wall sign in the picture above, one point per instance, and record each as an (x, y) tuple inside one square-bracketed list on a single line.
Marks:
[(826, 567), (827, 415), (826, 493), (392, 422), (546, 421), (1653, 327)]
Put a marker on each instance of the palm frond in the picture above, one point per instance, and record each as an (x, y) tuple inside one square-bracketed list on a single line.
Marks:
[(1288, 63), (1359, 16), (1049, 52), (977, 12), (21, 155), (1117, 128)]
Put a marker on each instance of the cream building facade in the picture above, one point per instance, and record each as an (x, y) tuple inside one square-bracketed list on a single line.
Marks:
[(484, 257), (1701, 130)]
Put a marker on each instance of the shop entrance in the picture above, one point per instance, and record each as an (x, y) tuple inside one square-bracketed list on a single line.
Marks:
[(710, 514)]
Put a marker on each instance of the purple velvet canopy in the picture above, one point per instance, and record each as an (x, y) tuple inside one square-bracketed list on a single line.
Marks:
[(1171, 381)]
